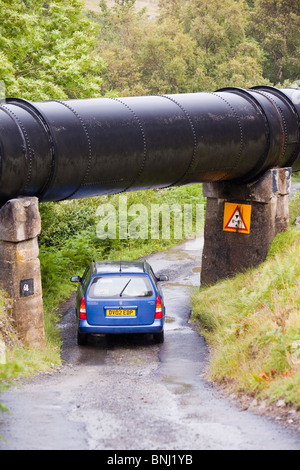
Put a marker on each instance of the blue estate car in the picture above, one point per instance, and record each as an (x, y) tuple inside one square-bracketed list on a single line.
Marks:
[(119, 297)]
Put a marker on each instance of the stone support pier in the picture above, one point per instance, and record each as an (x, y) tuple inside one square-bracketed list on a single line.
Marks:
[(20, 276), (241, 222)]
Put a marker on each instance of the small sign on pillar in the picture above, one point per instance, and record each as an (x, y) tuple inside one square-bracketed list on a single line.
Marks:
[(26, 287), (237, 217)]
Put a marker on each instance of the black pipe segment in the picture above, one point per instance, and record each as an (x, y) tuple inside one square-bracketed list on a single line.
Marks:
[(78, 148)]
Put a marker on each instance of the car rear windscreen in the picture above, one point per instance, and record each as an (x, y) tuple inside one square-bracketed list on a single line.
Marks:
[(120, 286)]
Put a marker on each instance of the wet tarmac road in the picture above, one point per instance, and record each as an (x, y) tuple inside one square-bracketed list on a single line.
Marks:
[(126, 393)]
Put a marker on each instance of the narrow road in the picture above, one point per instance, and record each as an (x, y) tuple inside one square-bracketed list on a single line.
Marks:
[(125, 393)]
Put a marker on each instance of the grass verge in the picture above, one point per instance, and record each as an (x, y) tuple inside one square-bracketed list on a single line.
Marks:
[(252, 324), (18, 360)]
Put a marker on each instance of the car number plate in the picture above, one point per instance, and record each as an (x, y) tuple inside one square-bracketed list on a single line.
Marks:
[(120, 312)]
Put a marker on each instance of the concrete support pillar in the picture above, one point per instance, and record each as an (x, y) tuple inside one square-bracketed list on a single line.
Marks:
[(20, 275), (241, 222)]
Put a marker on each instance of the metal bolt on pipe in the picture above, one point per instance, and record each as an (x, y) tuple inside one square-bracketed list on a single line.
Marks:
[(71, 149)]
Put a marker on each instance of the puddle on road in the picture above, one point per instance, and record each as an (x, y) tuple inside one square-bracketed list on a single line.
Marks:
[(190, 250), (94, 354), (183, 356)]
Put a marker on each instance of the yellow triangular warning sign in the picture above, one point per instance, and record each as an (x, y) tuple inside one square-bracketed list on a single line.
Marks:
[(237, 217)]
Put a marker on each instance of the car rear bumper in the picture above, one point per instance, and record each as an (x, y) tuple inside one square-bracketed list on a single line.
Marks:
[(156, 327)]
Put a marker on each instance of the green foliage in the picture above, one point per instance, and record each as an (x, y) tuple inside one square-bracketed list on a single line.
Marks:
[(275, 24), (294, 207), (191, 47), (47, 50), (227, 54), (197, 46), (57, 49)]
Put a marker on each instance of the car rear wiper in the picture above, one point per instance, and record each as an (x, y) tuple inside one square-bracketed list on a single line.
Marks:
[(124, 288)]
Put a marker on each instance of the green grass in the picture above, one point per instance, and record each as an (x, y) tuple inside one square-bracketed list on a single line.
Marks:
[(19, 359), (252, 323), (296, 176)]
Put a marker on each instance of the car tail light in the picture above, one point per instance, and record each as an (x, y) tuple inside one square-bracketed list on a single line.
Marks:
[(82, 310), (158, 308)]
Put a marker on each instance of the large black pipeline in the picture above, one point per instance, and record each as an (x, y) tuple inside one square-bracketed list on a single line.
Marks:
[(77, 148)]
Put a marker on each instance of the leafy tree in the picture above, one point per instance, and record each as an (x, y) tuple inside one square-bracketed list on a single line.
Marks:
[(121, 32), (168, 59), (228, 56), (144, 56), (47, 50), (275, 24)]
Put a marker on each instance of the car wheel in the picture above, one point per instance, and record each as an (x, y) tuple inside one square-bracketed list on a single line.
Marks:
[(82, 339), (159, 337)]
